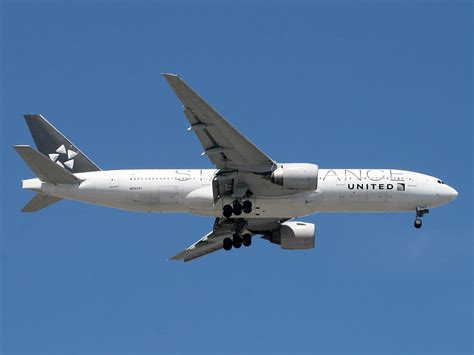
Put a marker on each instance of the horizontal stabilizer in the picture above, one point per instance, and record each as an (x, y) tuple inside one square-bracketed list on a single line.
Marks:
[(44, 168), (40, 201)]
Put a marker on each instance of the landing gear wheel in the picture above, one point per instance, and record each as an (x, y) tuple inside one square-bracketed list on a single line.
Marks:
[(227, 211), (420, 212), (247, 206), (247, 240), (227, 244), (418, 223), (237, 241), (237, 208)]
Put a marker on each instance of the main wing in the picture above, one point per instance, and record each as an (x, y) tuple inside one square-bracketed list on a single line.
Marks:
[(223, 228), (225, 146), (210, 243)]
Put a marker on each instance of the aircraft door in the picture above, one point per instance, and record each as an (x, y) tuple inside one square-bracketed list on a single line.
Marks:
[(114, 181), (411, 180)]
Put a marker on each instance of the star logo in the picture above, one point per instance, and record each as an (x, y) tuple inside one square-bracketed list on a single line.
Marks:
[(68, 154)]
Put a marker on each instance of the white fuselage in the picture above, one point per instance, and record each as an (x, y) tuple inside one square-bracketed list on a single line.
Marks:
[(190, 190)]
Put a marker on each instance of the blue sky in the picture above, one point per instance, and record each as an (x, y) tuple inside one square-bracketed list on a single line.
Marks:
[(372, 84)]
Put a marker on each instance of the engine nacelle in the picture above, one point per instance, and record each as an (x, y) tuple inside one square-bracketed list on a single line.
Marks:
[(294, 235), (296, 176)]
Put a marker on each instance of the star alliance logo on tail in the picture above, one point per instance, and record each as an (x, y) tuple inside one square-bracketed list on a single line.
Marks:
[(68, 162)]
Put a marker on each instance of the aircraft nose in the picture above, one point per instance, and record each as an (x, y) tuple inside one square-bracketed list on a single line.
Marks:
[(448, 194), (453, 194)]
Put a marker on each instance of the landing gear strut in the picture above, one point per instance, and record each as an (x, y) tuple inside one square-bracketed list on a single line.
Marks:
[(420, 212), (237, 208)]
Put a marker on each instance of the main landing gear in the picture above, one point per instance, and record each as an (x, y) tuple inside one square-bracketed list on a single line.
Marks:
[(237, 241), (420, 212), (237, 208)]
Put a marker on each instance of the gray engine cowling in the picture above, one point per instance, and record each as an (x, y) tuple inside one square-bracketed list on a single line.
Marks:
[(299, 176), (294, 235)]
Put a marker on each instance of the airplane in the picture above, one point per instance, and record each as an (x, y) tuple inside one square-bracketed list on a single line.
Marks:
[(248, 193)]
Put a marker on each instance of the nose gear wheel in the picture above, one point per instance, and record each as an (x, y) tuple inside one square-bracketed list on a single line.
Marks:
[(420, 212)]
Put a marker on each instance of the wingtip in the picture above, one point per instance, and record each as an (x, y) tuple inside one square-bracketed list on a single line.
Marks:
[(21, 146), (32, 116), (170, 75)]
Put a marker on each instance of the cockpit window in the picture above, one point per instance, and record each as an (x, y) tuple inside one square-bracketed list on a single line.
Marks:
[(440, 182)]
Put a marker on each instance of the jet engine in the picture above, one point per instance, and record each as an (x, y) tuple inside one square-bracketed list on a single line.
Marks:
[(294, 235), (296, 176)]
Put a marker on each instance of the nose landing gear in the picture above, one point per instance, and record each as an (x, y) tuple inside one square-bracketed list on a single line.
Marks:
[(420, 212), (418, 223)]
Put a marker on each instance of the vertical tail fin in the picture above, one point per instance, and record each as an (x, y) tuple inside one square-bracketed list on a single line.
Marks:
[(57, 147)]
